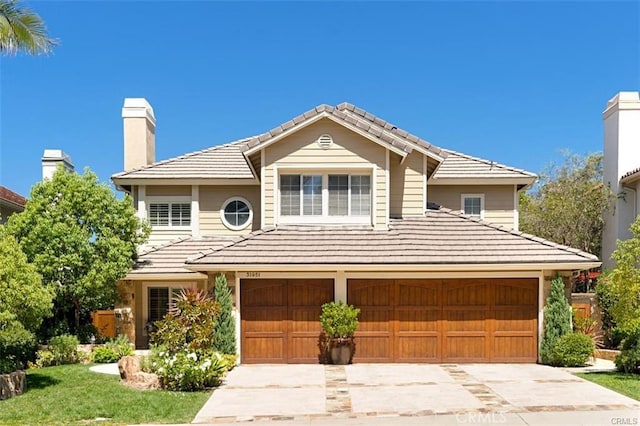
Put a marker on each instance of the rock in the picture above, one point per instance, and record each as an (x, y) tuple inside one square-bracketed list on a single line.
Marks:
[(144, 381), (128, 366), (12, 384)]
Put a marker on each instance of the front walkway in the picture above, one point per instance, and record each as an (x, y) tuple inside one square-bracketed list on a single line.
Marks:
[(311, 393)]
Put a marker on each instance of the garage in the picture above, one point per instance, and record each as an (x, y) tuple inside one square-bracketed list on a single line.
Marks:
[(448, 320), (280, 319)]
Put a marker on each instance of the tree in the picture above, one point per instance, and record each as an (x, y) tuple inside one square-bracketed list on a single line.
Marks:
[(623, 281), (22, 293), (81, 239), (225, 326), (22, 30), (557, 320), (568, 204)]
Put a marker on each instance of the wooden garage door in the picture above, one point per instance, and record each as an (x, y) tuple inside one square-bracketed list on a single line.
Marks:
[(461, 320), (280, 319)]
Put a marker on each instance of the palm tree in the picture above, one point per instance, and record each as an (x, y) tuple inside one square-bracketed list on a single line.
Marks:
[(21, 29)]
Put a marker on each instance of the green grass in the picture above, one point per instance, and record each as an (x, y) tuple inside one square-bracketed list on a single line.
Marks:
[(624, 383), (71, 394)]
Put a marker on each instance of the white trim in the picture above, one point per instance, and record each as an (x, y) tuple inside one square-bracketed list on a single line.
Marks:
[(478, 195), (224, 219), (424, 185), (166, 276), (238, 316), (325, 220), (540, 311), (174, 181), (340, 287), (387, 189), (172, 199), (142, 205), (516, 208), (276, 195), (305, 168), (195, 210), (482, 181), (262, 189), (169, 199)]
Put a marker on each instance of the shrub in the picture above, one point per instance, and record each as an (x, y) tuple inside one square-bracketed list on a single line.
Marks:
[(339, 320), (64, 349), (105, 355), (557, 320), (190, 325), (573, 350), (44, 358), (186, 370), (629, 359), (86, 331), (17, 344), (606, 301), (120, 345), (225, 324)]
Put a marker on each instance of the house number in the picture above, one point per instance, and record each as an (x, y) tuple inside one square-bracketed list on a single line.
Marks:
[(252, 274)]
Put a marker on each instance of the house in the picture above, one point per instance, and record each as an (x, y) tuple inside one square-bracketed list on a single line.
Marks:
[(10, 203), (621, 168), (338, 204)]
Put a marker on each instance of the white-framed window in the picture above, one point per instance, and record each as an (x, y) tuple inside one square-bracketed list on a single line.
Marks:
[(159, 301), (327, 197), (169, 214), (236, 213), (473, 205)]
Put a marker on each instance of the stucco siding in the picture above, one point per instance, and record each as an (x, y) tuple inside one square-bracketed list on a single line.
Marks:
[(407, 182), (212, 199), (349, 152), (498, 200)]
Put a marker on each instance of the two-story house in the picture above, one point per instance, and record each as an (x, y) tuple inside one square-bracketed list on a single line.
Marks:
[(338, 204)]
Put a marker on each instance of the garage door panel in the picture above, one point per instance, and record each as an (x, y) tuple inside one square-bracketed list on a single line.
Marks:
[(305, 320), (417, 348), (365, 293), (373, 348), (417, 320), (418, 293), (263, 349), (515, 293), (263, 293), (465, 348), (465, 321), (514, 348), (264, 320), (311, 293), (303, 348), (512, 320), (374, 320), (467, 293)]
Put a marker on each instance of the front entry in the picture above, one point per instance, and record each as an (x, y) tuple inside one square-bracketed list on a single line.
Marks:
[(280, 319)]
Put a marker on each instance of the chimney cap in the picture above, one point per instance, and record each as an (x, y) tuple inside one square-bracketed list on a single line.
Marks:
[(622, 101), (138, 108), (56, 155)]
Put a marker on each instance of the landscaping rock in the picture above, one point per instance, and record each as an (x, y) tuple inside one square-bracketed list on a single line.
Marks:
[(128, 366), (12, 384), (144, 381)]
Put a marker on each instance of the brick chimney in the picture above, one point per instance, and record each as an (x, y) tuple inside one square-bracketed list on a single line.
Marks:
[(50, 160), (139, 133), (621, 156)]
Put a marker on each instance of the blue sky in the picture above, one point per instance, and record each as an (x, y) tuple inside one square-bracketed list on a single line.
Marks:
[(514, 82)]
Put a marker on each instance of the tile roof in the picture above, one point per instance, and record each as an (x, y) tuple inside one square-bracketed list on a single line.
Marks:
[(218, 162), (441, 237), (631, 175), (458, 165), (169, 258), (363, 120), (10, 197)]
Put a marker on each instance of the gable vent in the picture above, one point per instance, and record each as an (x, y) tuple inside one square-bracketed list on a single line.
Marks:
[(325, 141)]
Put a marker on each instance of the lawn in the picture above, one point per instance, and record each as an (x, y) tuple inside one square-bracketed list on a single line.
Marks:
[(73, 394), (624, 383)]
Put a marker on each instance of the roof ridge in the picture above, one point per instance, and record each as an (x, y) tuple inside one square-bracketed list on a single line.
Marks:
[(230, 243), (165, 245), (182, 157), (521, 234), (490, 162)]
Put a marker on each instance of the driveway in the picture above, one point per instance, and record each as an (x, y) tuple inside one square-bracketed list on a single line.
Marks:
[(316, 392)]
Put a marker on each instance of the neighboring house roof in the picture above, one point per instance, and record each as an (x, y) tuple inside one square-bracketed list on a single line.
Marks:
[(442, 237), (351, 116), (169, 258), (630, 176), (218, 162), (462, 166), (12, 199)]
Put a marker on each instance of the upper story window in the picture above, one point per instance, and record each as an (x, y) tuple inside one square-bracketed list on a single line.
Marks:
[(236, 213), (170, 214), (473, 205), (325, 196)]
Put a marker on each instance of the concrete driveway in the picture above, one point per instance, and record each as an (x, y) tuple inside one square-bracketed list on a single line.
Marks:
[(311, 393)]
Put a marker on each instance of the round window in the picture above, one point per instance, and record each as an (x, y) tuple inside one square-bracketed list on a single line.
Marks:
[(236, 213)]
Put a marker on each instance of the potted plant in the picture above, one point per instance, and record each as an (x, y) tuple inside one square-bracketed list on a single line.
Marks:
[(339, 321)]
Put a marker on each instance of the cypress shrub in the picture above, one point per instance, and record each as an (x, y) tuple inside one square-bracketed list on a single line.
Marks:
[(557, 320), (225, 325)]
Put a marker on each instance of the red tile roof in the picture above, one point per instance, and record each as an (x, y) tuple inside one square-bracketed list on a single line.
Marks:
[(11, 197)]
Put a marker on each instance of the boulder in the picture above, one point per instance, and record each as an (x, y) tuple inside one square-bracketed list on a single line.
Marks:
[(128, 366), (144, 381)]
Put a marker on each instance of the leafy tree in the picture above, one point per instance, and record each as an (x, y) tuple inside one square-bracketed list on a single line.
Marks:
[(623, 282), (22, 30), (225, 326), (568, 203), (557, 320), (81, 239)]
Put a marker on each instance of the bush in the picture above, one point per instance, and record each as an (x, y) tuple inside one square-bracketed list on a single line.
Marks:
[(17, 344), (573, 350), (86, 331), (629, 359), (225, 324), (557, 320), (339, 320), (120, 345), (190, 325), (65, 349), (104, 355), (44, 358), (186, 370)]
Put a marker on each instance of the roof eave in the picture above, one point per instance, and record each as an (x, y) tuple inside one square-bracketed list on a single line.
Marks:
[(123, 181), (524, 180), (187, 275)]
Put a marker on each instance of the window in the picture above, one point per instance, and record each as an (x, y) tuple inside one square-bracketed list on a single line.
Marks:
[(325, 195), (160, 300), (236, 213), (473, 205), (170, 214)]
